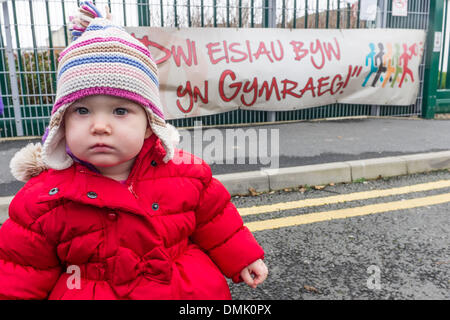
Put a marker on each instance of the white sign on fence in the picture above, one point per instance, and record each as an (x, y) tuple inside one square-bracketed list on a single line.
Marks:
[(400, 8), (368, 10), (437, 41), (206, 71)]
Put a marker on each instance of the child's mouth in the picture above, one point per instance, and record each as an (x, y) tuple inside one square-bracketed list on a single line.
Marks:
[(101, 147)]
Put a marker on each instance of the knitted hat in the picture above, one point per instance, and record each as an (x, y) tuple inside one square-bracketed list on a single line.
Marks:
[(103, 59)]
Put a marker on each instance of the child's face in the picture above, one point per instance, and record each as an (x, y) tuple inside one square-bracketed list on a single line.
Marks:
[(106, 131)]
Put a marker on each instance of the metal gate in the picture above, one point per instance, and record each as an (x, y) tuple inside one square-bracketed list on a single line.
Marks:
[(437, 89), (34, 31)]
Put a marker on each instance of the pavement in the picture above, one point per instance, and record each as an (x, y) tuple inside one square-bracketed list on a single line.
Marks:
[(253, 159)]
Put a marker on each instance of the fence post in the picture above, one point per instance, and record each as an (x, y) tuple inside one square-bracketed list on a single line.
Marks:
[(434, 34), (270, 22), (143, 13), (12, 71)]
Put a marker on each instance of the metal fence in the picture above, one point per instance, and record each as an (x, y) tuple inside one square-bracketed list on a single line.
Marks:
[(34, 32)]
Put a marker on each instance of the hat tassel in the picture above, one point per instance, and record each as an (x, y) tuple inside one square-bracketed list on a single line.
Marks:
[(86, 13)]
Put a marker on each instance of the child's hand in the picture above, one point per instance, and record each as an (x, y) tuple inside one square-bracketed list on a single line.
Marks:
[(258, 269)]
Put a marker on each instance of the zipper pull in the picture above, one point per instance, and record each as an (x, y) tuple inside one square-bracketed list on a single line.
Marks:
[(130, 188)]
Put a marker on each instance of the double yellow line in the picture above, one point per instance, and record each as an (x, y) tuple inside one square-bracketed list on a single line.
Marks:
[(347, 212)]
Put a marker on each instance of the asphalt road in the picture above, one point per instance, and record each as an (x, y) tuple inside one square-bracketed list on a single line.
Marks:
[(402, 254)]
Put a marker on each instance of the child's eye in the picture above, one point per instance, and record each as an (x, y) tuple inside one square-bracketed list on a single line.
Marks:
[(120, 111), (81, 110)]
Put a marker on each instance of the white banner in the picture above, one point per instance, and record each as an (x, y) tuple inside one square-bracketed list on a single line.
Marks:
[(205, 71)]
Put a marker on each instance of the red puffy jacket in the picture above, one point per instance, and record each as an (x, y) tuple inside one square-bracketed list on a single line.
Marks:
[(168, 233)]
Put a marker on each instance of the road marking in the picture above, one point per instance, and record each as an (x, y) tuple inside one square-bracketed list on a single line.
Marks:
[(343, 198), (347, 212)]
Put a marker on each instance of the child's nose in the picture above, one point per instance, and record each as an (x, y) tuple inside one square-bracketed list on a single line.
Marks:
[(101, 127)]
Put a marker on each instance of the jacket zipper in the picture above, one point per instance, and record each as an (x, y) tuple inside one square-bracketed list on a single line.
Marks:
[(136, 168), (130, 188)]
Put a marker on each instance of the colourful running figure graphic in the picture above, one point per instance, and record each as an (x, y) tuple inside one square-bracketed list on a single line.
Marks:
[(373, 68), (391, 66), (406, 57), (398, 68), (379, 62), (388, 61)]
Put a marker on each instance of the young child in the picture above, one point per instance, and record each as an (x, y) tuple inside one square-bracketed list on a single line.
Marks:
[(111, 209)]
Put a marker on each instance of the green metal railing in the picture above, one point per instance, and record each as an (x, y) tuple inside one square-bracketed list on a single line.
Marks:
[(39, 31)]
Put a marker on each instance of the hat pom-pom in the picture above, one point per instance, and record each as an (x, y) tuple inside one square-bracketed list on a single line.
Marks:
[(86, 13), (27, 162)]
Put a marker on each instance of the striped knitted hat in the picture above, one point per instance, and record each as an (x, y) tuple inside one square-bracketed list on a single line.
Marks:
[(103, 59)]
